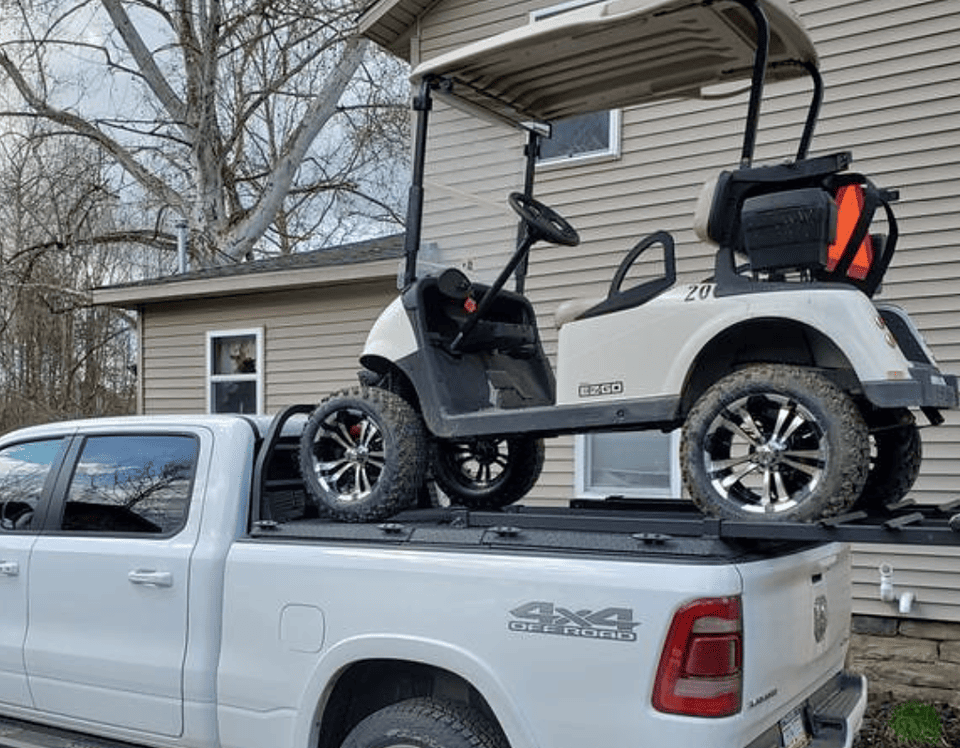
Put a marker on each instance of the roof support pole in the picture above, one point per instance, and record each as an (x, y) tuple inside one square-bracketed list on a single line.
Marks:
[(756, 86), (813, 112), (422, 104), (532, 153)]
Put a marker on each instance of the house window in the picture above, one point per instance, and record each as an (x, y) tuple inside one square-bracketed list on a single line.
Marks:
[(639, 464), (589, 137), (235, 371)]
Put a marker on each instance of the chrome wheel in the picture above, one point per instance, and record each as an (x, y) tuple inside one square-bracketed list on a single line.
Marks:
[(363, 454), (765, 452), (349, 454), (778, 442)]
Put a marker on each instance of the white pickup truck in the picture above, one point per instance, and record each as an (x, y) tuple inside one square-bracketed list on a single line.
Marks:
[(165, 582)]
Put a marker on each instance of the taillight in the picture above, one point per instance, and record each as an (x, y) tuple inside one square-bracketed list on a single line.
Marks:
[(701, 666)]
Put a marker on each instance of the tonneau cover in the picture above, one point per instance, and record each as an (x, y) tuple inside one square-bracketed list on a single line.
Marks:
[(618, 53)]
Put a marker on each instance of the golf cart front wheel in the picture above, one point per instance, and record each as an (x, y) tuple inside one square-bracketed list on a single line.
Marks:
[(773, 442), (487, 472), (362, 454)]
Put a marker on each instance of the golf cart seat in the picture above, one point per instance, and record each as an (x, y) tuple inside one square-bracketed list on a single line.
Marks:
[(802, 217), (617, 299)]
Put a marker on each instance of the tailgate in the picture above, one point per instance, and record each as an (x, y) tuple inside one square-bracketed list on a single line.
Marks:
[(796, 624)]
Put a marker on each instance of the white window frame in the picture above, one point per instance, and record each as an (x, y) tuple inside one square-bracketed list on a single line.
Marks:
[(612, 152), (257, 377), (582, 470)]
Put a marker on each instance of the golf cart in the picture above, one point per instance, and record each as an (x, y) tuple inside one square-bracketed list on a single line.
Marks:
[(793, 388)]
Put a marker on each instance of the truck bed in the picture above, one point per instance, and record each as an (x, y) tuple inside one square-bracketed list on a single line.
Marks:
[(671, 528)]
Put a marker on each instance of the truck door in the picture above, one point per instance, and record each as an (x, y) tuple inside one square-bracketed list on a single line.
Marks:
[(109, 582), (26, 477)]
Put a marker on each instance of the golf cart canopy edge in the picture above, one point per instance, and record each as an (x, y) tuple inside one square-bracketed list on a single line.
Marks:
[(616, 54)]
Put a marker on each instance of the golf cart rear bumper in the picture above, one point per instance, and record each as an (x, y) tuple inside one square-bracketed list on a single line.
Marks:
[(927, 387)]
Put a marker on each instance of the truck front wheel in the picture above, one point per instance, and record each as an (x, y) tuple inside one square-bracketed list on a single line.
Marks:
[(363, 454), (774, 442), (425, 723)]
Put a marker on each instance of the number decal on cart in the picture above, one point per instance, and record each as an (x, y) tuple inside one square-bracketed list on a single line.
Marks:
[(700, 292)]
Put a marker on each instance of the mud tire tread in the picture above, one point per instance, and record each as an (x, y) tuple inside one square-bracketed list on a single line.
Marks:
[(842, 421), (405, 455), (426, 723)]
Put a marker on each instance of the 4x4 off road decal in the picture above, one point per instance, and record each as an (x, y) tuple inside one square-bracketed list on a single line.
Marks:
[(610, 624)]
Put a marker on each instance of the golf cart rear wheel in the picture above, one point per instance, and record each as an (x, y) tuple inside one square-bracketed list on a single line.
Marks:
[(895, 455), (773, 442), (362, 454), (487, 473)]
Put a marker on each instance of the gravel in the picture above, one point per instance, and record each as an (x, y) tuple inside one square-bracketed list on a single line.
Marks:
[(877, 732)]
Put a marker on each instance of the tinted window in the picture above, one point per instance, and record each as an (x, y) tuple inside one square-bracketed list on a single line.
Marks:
[(23, 471), (133, 483)]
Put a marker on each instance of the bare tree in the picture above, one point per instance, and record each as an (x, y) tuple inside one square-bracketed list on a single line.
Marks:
[(213, 110), (59, 355)]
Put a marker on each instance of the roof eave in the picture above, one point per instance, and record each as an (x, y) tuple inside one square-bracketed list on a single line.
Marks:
[(390, 23), (133, 296)]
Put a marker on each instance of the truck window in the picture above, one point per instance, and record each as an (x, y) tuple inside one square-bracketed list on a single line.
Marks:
[(131, 484), (23, 471)]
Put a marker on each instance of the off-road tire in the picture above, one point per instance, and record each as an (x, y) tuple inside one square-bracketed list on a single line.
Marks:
[(787, 428), (895, 456), (363, 454), (487, 473), (425, 723)]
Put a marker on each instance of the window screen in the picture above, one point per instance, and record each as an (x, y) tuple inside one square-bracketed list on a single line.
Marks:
[(132, 484), (580, 135)]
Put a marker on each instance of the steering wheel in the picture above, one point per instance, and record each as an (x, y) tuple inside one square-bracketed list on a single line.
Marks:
[(544, 222), (15, 519)]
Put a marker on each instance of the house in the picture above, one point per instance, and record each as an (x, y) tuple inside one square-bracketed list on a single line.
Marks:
[(891, 73), (258, 336)]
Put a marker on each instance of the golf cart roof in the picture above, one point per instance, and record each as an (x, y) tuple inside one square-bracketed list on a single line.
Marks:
[(615, 54)]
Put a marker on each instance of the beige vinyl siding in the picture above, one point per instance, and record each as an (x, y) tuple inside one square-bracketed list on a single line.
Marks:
[(892, 97), (312, 343), (930, 573)]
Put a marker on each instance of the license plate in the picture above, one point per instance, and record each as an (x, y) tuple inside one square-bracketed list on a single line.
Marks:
[(792, 732)]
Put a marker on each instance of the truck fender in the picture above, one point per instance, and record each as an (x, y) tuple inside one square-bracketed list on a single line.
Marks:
[(431, 652)]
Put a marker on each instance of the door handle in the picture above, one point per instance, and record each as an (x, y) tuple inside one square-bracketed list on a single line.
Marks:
[(151, 578), (9, 568)]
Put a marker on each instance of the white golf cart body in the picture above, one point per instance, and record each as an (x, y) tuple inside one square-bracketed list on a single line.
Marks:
[(643, 357)]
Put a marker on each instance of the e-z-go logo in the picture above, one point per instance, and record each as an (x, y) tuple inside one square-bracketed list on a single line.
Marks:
[(611, 624), (600, 389)]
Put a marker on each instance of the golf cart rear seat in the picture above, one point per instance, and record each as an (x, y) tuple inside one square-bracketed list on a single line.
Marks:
[(802, 217)]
